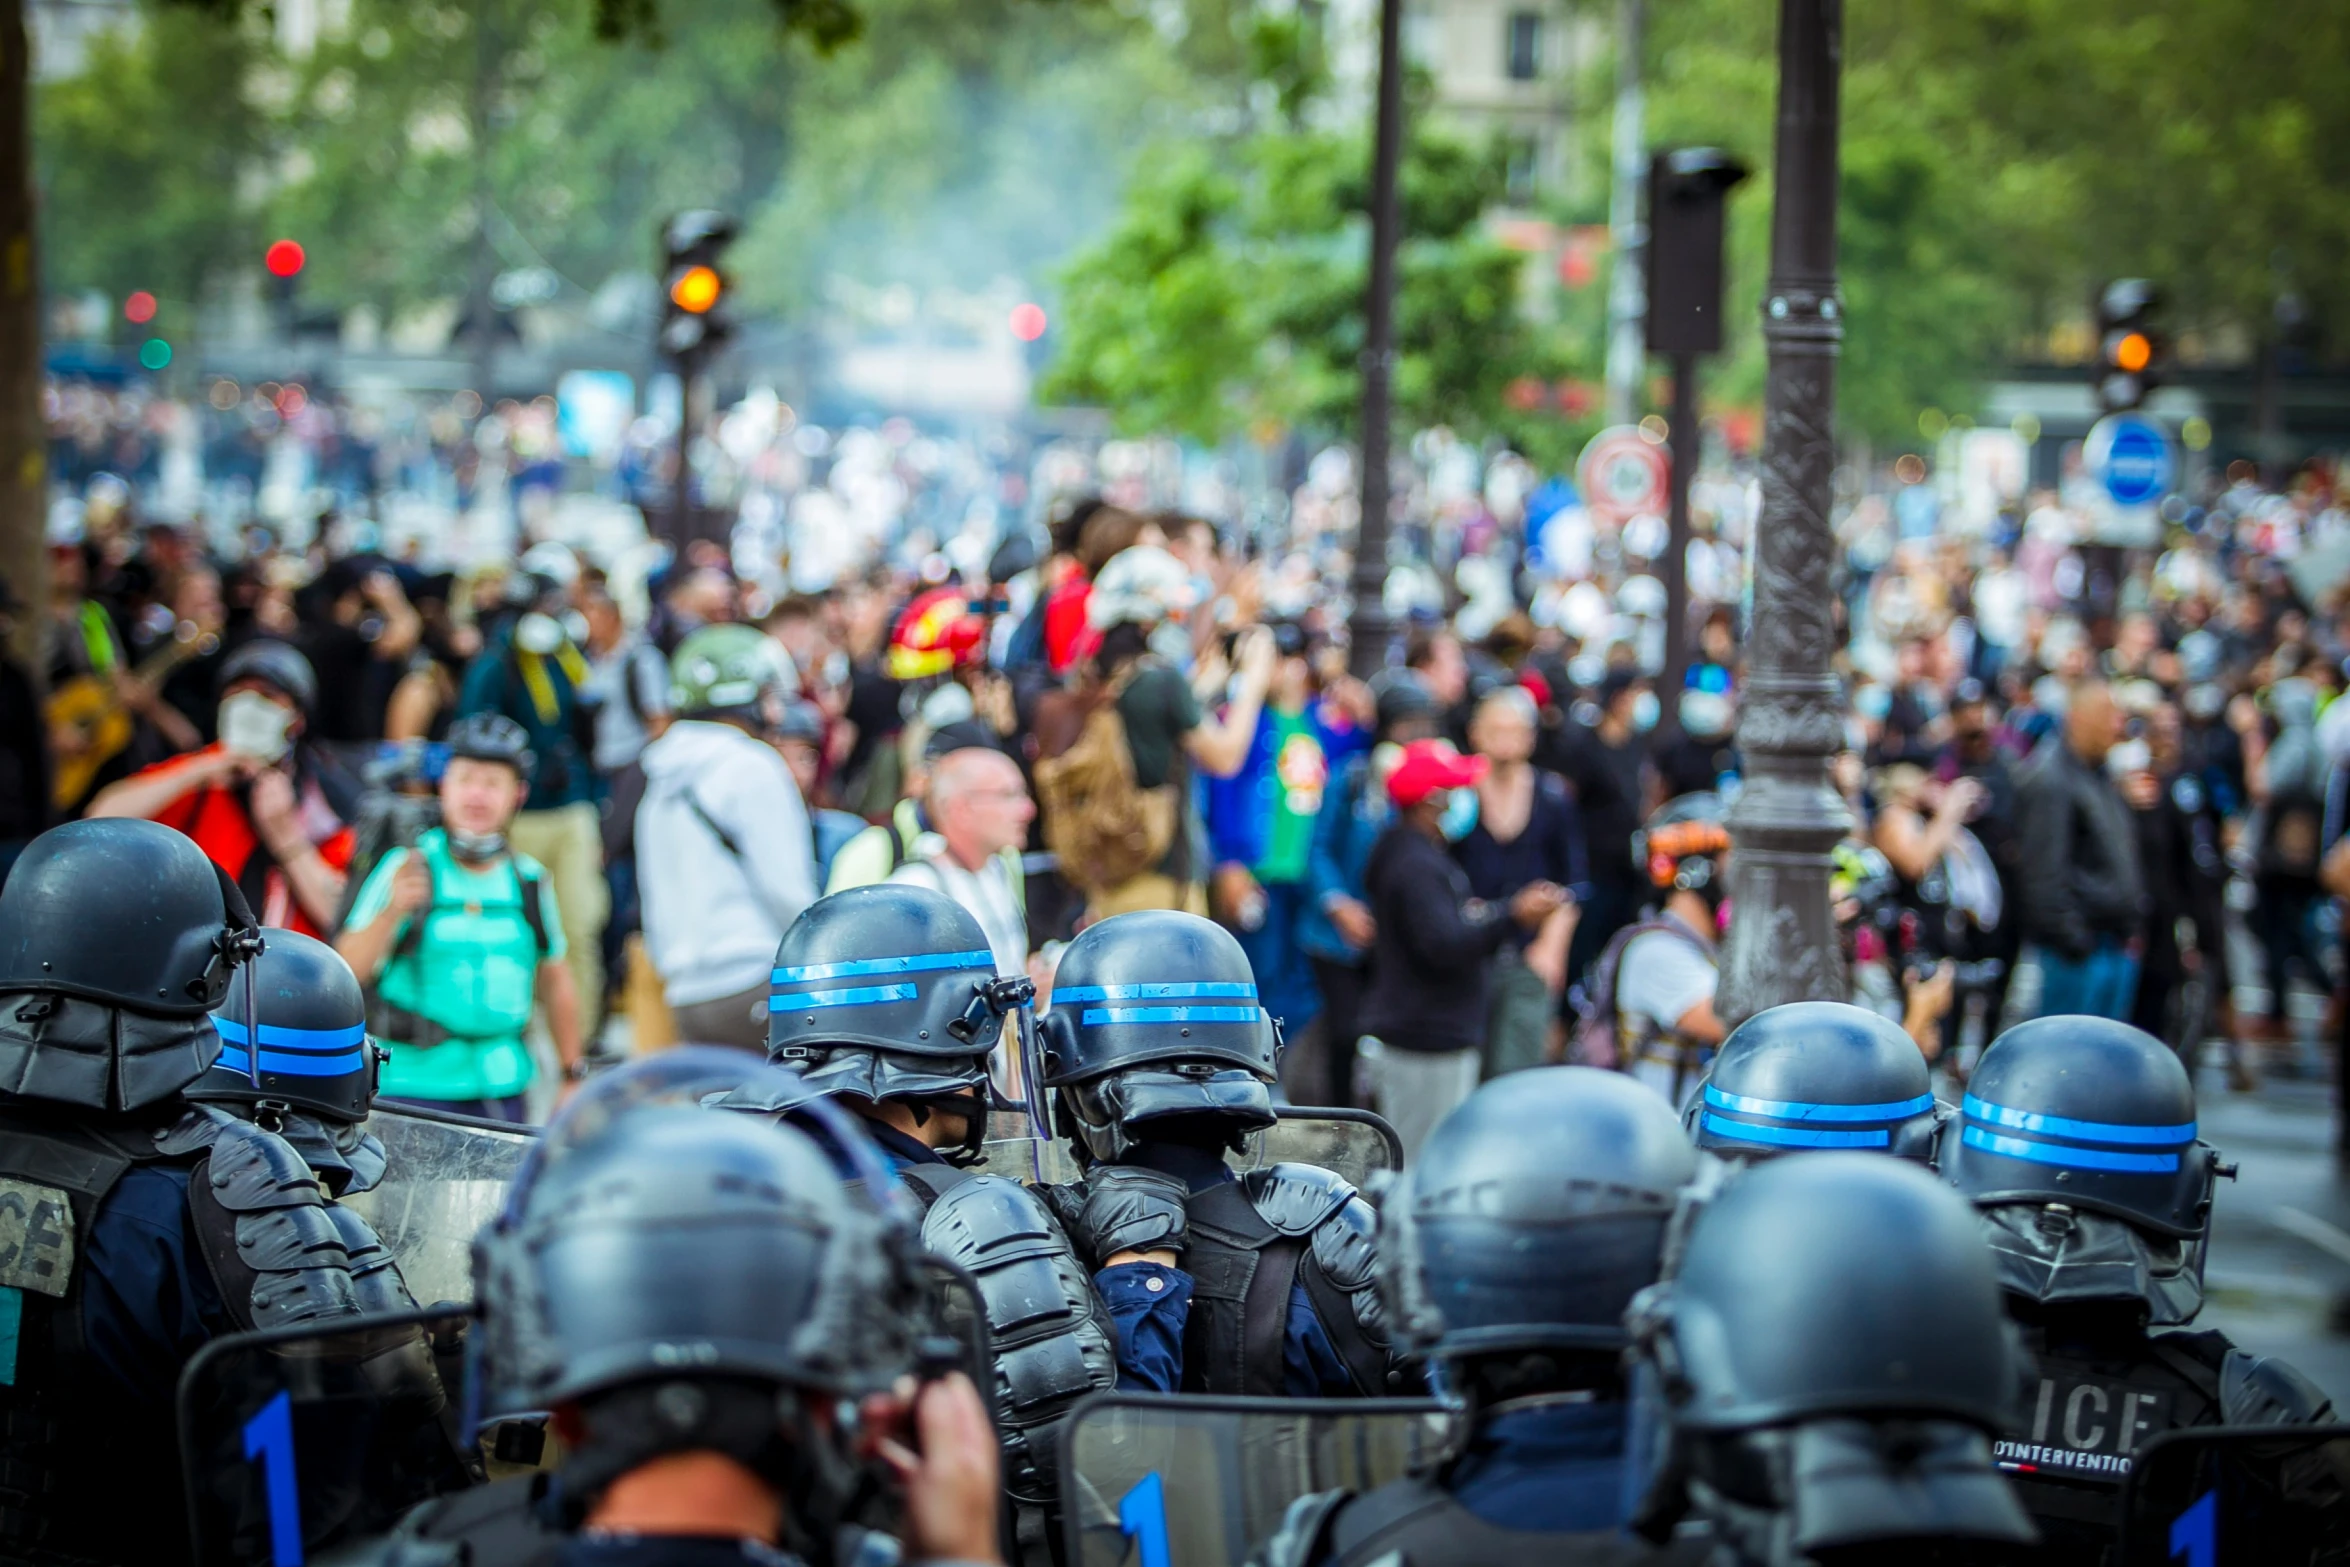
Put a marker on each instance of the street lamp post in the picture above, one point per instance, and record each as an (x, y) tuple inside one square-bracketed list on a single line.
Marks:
[(1782, 943), (1368, 626)]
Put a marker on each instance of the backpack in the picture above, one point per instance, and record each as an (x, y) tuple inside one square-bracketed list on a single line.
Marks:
[(1599, 1031), (1106, 828)]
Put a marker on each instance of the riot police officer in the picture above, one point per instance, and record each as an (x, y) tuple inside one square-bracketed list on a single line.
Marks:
[(1816, 1074), (726, 1339), (117, 940), (886, 998), (314, 1079), (1512, 1246), (2077, 1142), (1825, 1372), (1162, 1060)]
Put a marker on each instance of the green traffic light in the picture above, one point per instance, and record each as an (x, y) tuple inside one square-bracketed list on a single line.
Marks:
[(155, 353)]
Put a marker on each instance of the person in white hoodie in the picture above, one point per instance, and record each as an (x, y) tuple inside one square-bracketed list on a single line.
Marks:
[(725, 861)]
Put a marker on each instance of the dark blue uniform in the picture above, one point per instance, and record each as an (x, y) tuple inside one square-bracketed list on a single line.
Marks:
[(669, 1550), (1557, 1467)]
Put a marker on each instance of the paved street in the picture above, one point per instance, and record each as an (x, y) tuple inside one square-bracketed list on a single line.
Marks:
[(2279, 1271)]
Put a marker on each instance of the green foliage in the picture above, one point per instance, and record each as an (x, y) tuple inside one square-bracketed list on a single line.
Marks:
[(1229, 294), (145, 153)]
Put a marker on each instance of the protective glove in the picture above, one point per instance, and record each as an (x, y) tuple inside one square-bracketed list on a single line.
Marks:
[(1121, 1208)]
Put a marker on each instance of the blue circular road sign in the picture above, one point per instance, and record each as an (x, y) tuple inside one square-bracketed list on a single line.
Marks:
[(2130, 455)]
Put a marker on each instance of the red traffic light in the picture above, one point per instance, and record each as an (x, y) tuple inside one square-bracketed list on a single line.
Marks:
[(2133, 352), (284, 258), (139, 308)]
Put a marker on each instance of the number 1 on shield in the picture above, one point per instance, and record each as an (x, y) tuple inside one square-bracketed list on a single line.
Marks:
[(269, 1436), (1142, 1518), (2194, 1534)]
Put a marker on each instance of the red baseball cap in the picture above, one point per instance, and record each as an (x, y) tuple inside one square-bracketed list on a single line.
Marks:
[(1430, 765)]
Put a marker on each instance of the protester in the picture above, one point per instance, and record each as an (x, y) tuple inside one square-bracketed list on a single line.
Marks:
[(1606, 760), (1657, 988), (456, 937), (981, 811), (2083, 904), (267, 806), (1432, 941), (1527, 830), (725, 857)]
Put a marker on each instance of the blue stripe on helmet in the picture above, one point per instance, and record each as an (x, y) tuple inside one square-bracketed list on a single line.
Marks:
[(1795, 1136), (2067, 1154), (1798, 1110), (342, 1064), (1171, 1014), (1172, 990), (2087, 1131), (300, 1041), (862, 996), (921, 963)]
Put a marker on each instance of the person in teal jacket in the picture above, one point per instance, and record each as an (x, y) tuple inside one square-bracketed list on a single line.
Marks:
[(459, 937)]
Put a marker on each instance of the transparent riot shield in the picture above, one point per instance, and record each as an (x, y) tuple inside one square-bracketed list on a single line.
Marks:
[(2239, 1496), (1197, 1481), (301, 1439), (445, 1176), (1351, 1143)]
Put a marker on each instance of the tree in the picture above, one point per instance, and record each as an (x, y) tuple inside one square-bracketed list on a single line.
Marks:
[(1229, 294)]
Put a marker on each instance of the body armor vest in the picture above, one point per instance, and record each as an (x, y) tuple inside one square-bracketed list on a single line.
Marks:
[(1251, 1241), (2092, 1406), (1415, 1522)]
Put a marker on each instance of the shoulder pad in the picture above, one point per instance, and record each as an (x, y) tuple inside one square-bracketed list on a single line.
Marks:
[(281, 1300), (2261, 1390), (195, 1130), (1346, 1245), (1049, 1330), (254, 1170), (1296, 1198), (1300, 1539), (279, 1240), (375, 1272), (368, 1162)]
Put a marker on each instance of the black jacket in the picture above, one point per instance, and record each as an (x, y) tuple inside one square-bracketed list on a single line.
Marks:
[(1428, 964), (2080, 876)]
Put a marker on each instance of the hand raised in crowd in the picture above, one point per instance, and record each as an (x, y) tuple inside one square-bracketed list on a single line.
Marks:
[(1257, 655), (1536, 902), (1962, 800), (411, 886), (939, 1444), (1351, 917)]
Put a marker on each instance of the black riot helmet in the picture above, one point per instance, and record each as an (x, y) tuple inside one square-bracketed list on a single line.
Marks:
[(315, 1053), (492, 737), (1533, 1214), (890, 992), (1817, 1074), (2077, 1140), (1829, 1367), (1155, 1019), (690, 1281), (117, 937)]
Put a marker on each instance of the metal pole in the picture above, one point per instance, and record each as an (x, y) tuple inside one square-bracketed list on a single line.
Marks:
[(1683, 446), (681, 498), (1782, 943), (1369, 626), (1627, 295)]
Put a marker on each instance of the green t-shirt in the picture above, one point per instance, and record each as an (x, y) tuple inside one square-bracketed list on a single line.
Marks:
[(1300, 772), (473, 971)]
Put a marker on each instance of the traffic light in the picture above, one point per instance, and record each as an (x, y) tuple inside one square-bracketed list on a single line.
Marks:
[(1686, 189), (2129, 348), (693, 285)]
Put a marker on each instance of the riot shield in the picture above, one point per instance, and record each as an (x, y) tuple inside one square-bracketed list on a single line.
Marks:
[(1197, 1481), (445, 1176), (2239, 1496), (300, 1439), (1352, 1143), (1349, 1143)]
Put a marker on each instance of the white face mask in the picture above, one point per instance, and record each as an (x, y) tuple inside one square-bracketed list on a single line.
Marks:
[(1646, 710), (252, 725), (1172, 643)]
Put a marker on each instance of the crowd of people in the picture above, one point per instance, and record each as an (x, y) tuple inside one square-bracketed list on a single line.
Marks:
[(2072, 771)]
